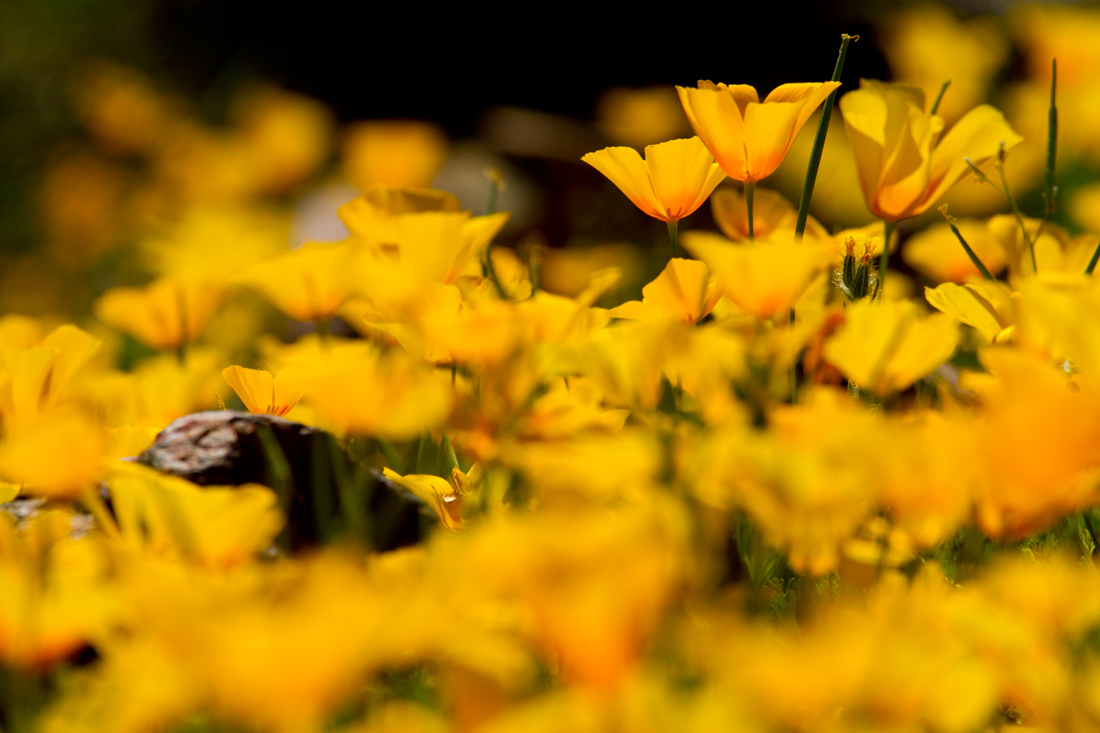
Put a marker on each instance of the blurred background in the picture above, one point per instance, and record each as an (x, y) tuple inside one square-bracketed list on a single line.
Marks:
[(133, 128)]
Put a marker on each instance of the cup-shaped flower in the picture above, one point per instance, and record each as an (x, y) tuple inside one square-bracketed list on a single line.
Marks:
[(747, 137), (34, 380), (310, 283), (673, 181), (163, 314), (773, 216), (763, 279), (30, 457), (884, 347), (262, 393), (684, 290), (903, 165)]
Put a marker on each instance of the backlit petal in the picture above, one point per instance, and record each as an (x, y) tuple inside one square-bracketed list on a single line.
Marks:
[(626, 169)]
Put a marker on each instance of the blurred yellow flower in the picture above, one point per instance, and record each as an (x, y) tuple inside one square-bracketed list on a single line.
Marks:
[(210, 525), (363, 391), (886, 346), (393, 153), (640, 117), (684, 290), (988, 306), (673, 181), (120, 107), (763, 279), (370, 217), (749, 139), (309, 284), (1037, 443), (59, 455), (33, 380), (287, 136), (434, 491), (772, 215), (928, 44), (429, 247), (263, 394), (163, 314), (904, 167), (54, 591)]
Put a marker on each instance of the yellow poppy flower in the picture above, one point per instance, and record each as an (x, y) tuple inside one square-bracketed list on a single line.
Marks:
[(987, 305), (886, 346), (215, 526), (369, 217), (749, 138), (425, 248), (308, 284), (904, 167), (393, 152), (262, 393), (773, 215), (673, 181), (55, 590), (763, 279), (33, 380), (684, 290), (434, 491), (163, 314), (31, 457), (363, 391)]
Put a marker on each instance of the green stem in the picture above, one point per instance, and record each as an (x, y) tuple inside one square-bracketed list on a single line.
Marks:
[(819, 142), (1016, 212), (969, 252), (1049, 191), (390, 453), (750, 190), (1092, 262), (888, 229), (674, 236), (939, 97), (794, 365)]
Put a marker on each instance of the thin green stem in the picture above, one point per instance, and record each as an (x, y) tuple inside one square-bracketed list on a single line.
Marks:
[(390, 452), (1092, 262), (1049, 190), (939, 97), (674, 236), (819, 142), (969, 252), (888, 229), (750, 190), (794, 364), (1016, 211)]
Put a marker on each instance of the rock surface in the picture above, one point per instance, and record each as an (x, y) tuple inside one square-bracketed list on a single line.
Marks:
[(226, 448)]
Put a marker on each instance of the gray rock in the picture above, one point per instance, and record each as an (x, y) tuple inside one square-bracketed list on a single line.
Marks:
[(306, 466)]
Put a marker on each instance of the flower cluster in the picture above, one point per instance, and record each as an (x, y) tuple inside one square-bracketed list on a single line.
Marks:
[(781, 488)]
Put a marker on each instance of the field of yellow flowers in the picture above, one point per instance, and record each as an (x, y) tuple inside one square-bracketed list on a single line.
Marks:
[(836, 467)]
